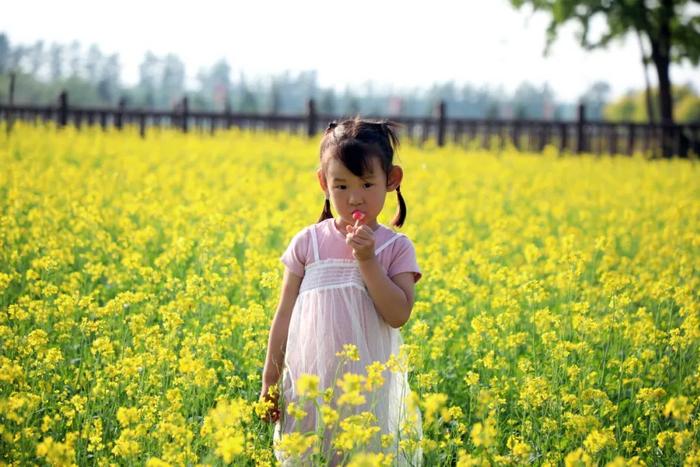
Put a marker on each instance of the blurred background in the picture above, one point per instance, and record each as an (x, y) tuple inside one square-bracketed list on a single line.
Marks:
[(484, 59)]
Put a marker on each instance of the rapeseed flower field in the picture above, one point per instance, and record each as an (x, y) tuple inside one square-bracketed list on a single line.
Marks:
[(557, 321)]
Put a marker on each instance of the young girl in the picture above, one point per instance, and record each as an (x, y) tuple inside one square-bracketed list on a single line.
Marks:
[(348, 280)]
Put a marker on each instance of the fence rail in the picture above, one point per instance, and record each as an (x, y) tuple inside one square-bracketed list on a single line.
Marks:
[(576, 136)]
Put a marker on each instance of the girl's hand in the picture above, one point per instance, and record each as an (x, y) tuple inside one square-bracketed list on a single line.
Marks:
[(361, 239), (273, 413)]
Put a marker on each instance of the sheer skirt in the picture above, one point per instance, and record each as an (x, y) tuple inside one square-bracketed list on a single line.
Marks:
[(334, 309)]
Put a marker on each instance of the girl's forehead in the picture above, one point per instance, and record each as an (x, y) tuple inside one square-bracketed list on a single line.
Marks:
[(336, 169)]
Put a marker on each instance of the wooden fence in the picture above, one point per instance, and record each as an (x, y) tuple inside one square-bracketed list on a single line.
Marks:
[(576, 136)]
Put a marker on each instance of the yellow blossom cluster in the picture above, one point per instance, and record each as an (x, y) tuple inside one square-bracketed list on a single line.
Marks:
[(557, 321)]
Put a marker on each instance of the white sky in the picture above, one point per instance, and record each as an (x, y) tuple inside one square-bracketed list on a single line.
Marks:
[(399, 43)]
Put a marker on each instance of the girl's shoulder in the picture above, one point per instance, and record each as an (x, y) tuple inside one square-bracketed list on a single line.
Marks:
[(303, 239), (388, 232), (302, 236), (399, 241), (297, 254), (401, 256)]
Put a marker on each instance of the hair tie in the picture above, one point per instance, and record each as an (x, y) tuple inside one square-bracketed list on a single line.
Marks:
[(331, 125)]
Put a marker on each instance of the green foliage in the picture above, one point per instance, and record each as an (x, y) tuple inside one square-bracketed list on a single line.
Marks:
[(688, 109), (622, 17), (30, 89), (632, 106)]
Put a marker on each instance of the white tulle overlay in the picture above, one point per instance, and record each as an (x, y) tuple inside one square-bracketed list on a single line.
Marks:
[(334, 309)]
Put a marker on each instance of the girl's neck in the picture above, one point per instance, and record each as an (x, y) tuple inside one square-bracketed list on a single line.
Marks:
[(340, 225)]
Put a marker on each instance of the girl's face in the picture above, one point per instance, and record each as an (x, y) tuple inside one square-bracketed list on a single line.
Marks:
[(349, 193)]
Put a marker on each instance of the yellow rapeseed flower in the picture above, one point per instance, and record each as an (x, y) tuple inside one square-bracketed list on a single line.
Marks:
[(307, 386), (679, 408), (371, 460)]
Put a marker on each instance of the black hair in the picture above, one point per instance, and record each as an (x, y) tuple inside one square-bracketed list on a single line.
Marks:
[(353, 142)]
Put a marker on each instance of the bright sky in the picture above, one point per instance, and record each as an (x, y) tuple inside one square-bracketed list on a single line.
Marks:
[(394, 43)]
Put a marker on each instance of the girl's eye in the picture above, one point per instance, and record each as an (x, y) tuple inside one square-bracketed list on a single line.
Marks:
[(341, 187), (367, 185)]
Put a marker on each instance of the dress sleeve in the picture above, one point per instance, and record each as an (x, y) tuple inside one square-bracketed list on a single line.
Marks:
[(404, 259), (295, 256)]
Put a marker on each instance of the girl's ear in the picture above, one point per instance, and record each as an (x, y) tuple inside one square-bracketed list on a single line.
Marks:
[(395, 177), (322, 180)]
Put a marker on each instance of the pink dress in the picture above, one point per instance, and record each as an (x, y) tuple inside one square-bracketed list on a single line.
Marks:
[(334, 308)]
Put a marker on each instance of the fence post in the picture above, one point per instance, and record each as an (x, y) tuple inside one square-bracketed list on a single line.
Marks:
[(441, 124), (63, 109), (12, 88), (541, 136), (457, 137), (142, 123), (119, 116), (486, 137), (311, 117), (630, 139), (425, 130), (580, 136), (516, 134), (563, 143), (612, 139), (185, 113), (227, 114)]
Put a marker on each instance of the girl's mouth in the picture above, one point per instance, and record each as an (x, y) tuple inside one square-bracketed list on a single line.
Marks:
[(357, 214)]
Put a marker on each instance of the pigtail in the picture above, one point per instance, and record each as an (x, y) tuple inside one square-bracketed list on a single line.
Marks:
[(326, 213), (401, 215)]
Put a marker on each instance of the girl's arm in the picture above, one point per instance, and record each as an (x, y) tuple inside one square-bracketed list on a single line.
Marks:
[(393, 297), (277, 342)]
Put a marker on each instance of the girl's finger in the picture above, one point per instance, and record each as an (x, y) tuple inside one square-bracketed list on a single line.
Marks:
[(364, 236), (355, 244), (364, 233), (358, 245)]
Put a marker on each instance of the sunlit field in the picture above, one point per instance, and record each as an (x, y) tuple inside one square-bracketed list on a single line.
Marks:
[(557, 321)]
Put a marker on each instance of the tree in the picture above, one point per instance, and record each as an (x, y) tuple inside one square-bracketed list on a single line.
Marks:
[(4, 53), (108, 84), (93, 63), (36, 57), (74, 58), (327, 104), (172, 84), (248, 100), (17, 55), (219, 83), (56, 62), (149, 78), (689, 108), (595, 98), (632, 106), (669, 26)]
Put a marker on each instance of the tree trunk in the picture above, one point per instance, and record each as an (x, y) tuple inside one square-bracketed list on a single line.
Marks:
[(661, 54), (647, 90)]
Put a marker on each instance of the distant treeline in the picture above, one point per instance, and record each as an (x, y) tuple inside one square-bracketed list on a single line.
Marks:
[(92, 77)]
